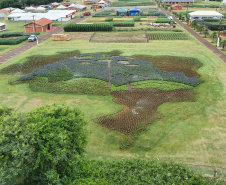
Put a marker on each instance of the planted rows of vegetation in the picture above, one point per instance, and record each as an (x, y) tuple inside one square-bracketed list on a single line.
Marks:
[(167, 36), (126, 3), (89, 27), (123, 69), (14, 38)]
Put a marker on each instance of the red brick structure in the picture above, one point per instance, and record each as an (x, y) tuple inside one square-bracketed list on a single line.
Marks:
[(96, 6), (42, 25), (89, 2), (176, 7)]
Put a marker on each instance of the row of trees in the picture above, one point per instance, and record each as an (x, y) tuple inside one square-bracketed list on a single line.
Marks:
[(23, 3)]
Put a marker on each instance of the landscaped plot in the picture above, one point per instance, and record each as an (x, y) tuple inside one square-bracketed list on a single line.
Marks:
[(167, 36), (119, 38)]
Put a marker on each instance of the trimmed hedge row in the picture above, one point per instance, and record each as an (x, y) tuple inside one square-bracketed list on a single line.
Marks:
[(211, 20), (123, 24), (13, 41), (109, 19), (88, 27), (136, 18), (164, 21)]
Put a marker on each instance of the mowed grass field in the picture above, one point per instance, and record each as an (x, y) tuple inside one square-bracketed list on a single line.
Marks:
[(190, 132)]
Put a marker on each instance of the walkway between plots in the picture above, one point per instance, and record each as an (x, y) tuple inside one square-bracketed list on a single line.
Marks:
[(215, 50), (10, 54)]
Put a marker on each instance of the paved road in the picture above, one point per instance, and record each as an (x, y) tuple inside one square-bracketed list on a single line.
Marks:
[(215, 50), (10, 54)]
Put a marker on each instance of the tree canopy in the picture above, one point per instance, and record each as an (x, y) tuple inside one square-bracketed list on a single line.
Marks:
[(41, 147)]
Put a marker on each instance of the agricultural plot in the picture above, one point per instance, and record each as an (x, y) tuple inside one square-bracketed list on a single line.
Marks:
[(105, 74), (119, 37), (167, 36)]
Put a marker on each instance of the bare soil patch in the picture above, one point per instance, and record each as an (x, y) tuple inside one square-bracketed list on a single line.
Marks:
[(123, 62)]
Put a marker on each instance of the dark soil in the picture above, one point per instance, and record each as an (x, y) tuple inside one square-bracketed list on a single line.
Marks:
[(189, 66), (140, 108)]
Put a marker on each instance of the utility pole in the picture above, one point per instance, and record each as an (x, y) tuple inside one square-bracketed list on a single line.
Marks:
[(34, 22), (218, 39)]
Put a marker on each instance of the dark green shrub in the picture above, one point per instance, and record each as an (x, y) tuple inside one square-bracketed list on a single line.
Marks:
[(164, 21), (88, 27), (109, 19), (136, 18), (60, 75), (211, 20), (224, 31), (123, 24)]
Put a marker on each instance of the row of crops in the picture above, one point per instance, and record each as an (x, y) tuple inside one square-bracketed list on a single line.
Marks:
[(167, 36), (96, 66), (89, 27)]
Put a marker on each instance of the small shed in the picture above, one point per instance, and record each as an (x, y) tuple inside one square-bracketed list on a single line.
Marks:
[(42, 25), (3, 26), (176, 7), (135, 11), (121, 12)]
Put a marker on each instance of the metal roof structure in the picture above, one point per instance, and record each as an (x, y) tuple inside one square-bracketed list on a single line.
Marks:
[(205, 13), (18, 11)]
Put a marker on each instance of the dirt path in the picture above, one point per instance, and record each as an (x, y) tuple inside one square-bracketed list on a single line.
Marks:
[(109, 73), (10, 54), (216, 51)]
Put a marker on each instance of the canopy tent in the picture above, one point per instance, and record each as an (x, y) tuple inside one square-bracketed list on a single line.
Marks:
[(223, 3), (55, 4), (30, 17), (101, 2), (30, 8), (62, 7), (78, 6), (18, 11), (135, 11), (9, 9), (122, 12), (40, 8)]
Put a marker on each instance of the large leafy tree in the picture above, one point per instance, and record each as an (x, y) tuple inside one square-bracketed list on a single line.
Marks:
[(41, 147)]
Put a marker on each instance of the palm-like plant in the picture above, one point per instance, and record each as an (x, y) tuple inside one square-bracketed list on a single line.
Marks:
[(223, 43), (214, 35), (206, 32)]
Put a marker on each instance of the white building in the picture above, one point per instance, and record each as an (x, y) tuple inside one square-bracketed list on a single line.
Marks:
[(199, 15), (54, 15)]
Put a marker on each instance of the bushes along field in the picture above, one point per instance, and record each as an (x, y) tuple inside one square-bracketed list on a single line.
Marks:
[(88, 27)]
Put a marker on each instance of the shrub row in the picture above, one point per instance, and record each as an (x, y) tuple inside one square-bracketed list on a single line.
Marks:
[(202, 6), (136, 18), (88, 27), (109, 19), (211, 20), (6, 40), (124, 24), (164, 21)]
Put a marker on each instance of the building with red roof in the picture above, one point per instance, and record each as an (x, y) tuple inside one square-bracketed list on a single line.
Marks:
[(41, 25)]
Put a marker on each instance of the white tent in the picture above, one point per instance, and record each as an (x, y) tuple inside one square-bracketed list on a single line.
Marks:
[(223, 3), (40, 8), (18, 11), (101, 2), (9, 9), (30, 8), (55, 4), (78, 6), (61, 7), (30, 17)]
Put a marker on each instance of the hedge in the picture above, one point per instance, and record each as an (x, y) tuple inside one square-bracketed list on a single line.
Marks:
[(211, 20), (123, 24), (13, 41), (108, 19), (164, 21), (88, 27), (136, 18)]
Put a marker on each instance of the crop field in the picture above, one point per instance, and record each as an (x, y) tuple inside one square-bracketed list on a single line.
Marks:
[(118, 37), (136, 96), (167, 36)]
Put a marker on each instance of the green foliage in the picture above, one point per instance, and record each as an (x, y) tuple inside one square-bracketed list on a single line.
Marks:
[(136, 18), (138, 172), (164, 21), (126, 3), (124, 24), (60, 75), (224, 31), (5, 38), (41, 147), (211, 20), (108, 19), (88, 27)]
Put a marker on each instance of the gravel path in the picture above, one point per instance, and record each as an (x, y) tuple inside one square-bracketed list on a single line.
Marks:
[(10, 54), (215, 50)]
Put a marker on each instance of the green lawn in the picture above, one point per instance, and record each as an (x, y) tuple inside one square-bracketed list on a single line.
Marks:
[(190, 132)]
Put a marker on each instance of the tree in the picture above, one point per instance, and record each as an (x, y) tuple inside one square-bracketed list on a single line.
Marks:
[(41, 147), (206, 32), (214, 35), (194, 24), (223, 43)]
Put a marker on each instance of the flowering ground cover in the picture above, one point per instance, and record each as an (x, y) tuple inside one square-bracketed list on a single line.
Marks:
[(167, 36)]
